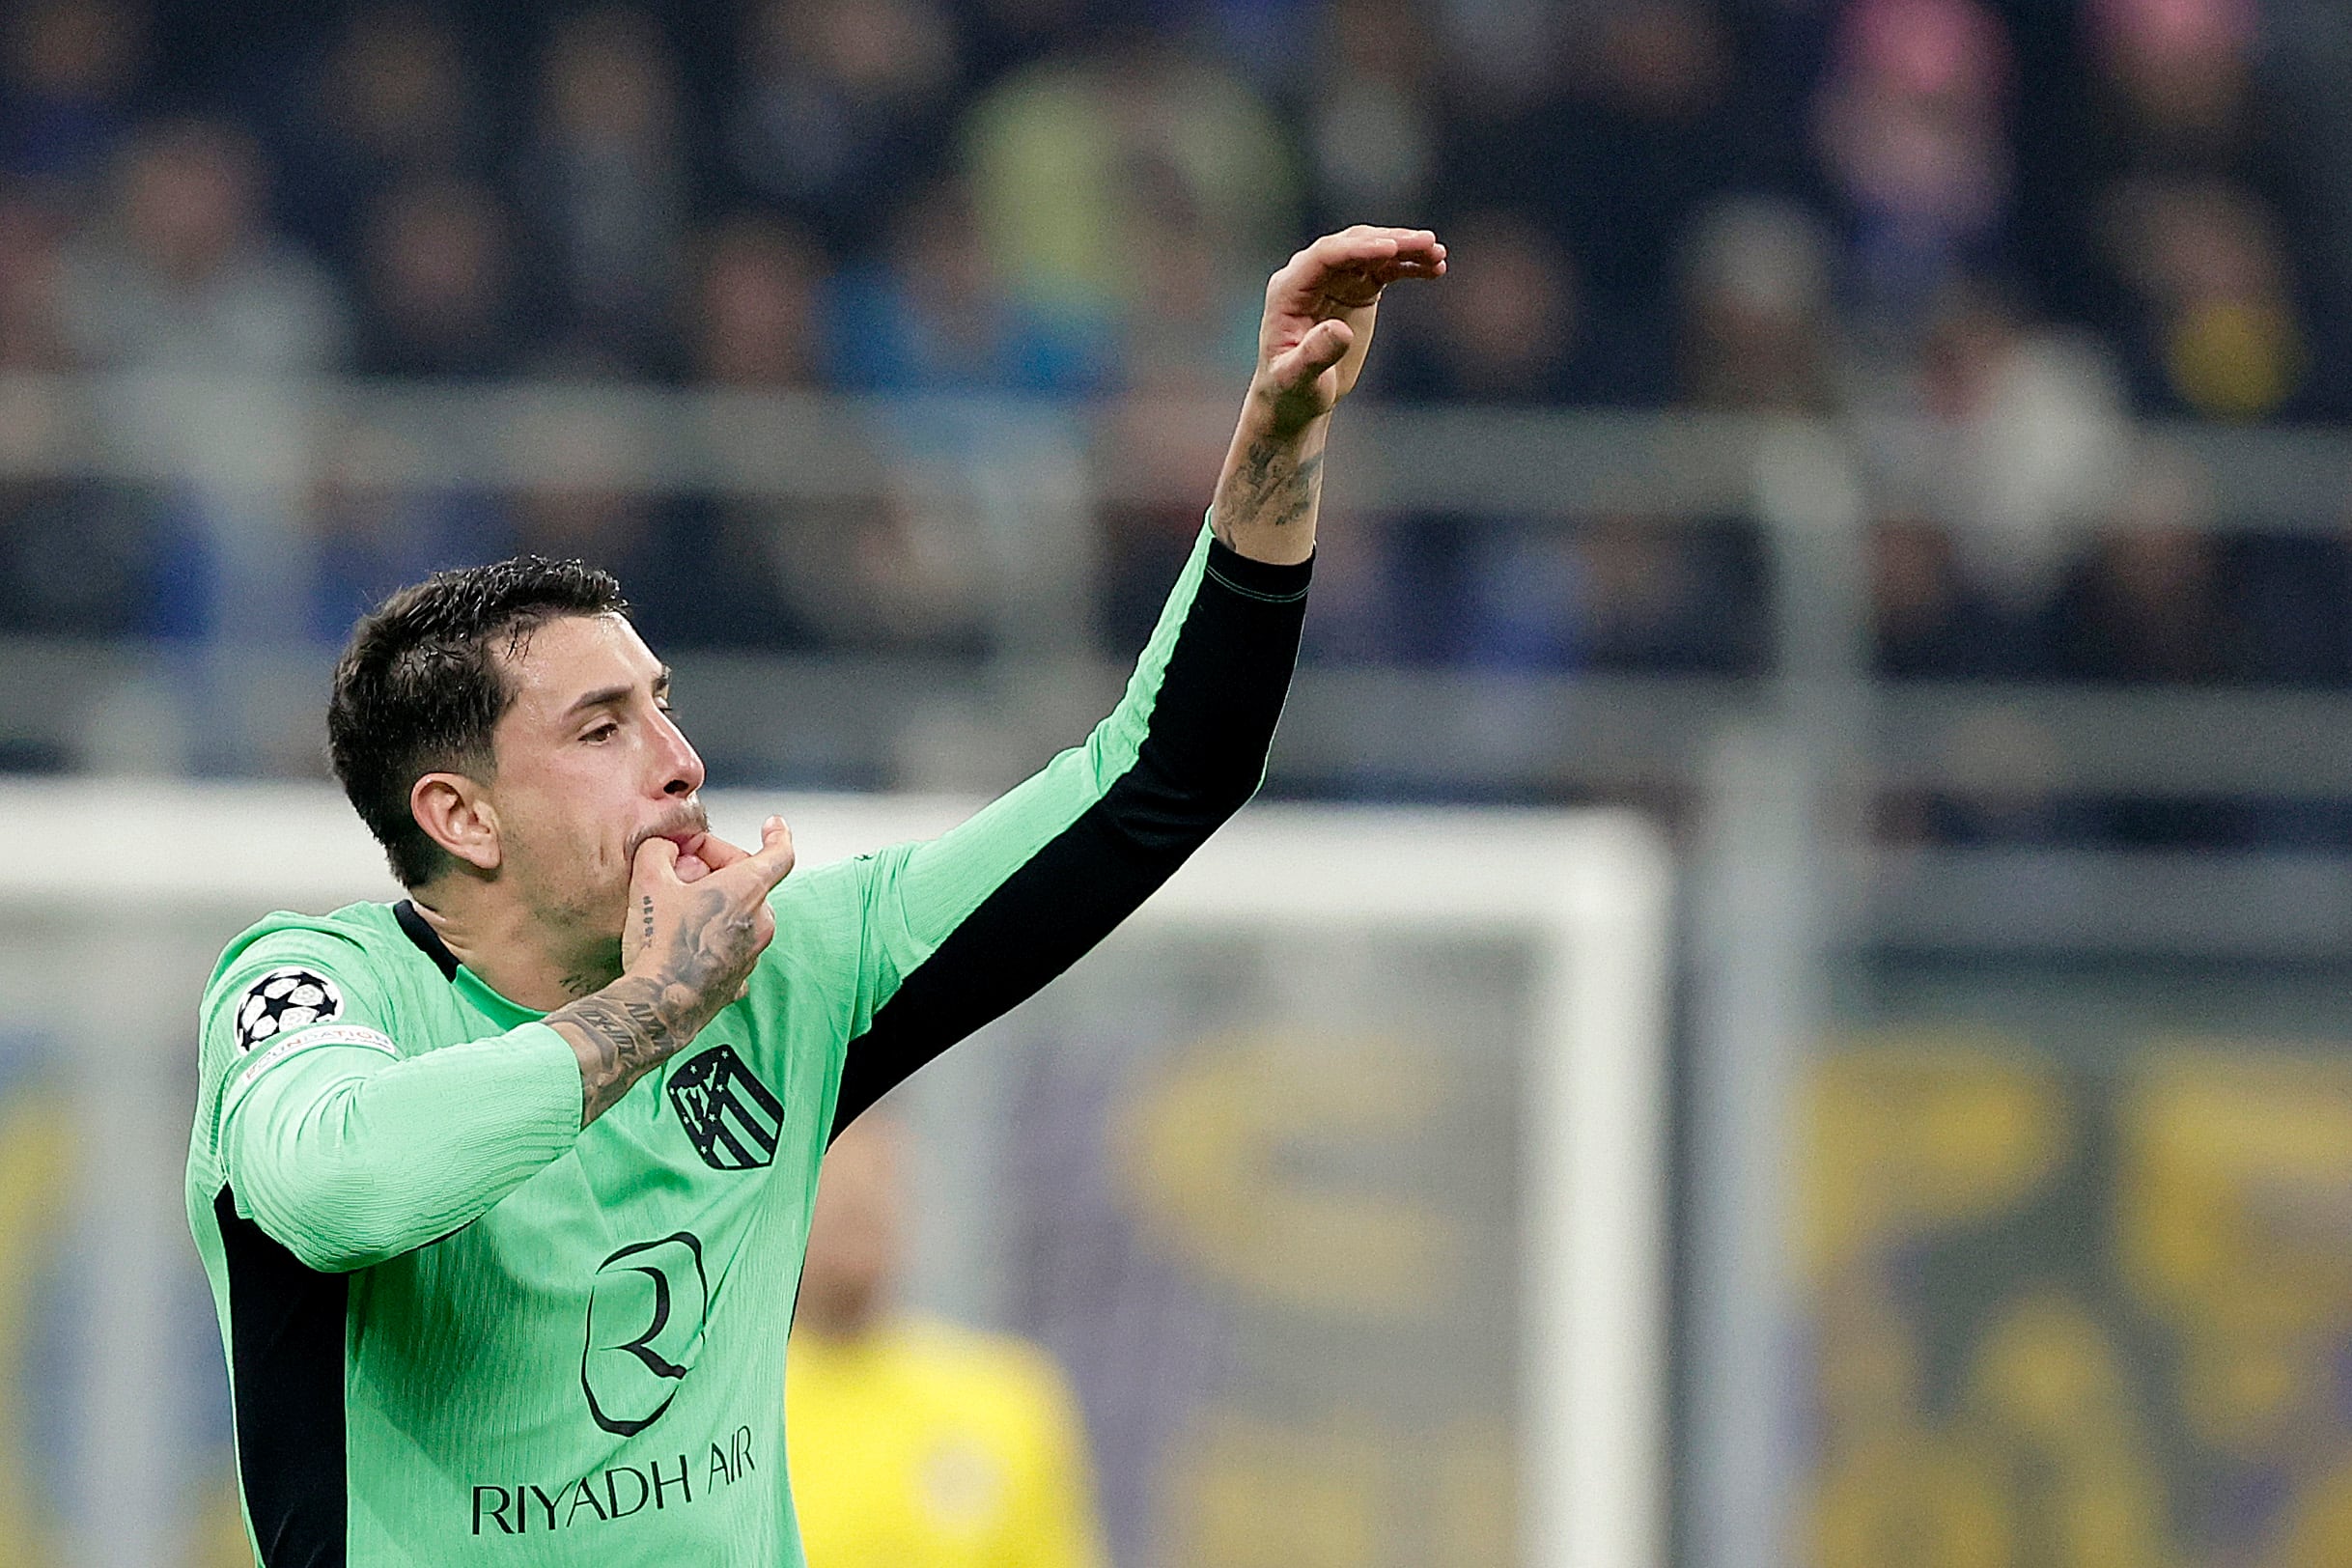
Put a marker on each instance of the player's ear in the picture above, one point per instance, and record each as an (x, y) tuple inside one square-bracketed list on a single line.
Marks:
[(454, 814)]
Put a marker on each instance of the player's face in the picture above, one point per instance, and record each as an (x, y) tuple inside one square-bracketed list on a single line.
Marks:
[(589, 766)]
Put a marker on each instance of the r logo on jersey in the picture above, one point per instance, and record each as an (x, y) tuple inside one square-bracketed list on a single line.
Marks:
[(731, 1117), (646, 1309), (282, 1001)]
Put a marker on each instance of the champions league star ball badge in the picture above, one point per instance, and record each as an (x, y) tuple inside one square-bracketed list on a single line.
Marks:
[(283, 1000)]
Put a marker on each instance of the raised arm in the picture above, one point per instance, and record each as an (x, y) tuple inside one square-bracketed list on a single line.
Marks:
[(964, 926), (1311, 345)]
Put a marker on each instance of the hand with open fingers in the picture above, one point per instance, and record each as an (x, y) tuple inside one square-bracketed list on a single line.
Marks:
[(1319, 312), (704, 935)]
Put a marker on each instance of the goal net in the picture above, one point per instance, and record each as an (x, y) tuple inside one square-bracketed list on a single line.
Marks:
[(1334, 1179)]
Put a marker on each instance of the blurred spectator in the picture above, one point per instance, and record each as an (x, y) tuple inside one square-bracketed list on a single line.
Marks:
[(935, 313), (1169, 445), (2032, 441), (1194, 329), (1912, 125), (754, 322), (2210, 324), (1930, 621), (1053, 148), (1515, 323), (1759, 331), (606, 175), (1655, 143), (1365, 594), (77, 559), (840, 99), (1611, 132), (895, 573), (1527, 595), (2176, 77), (2160, 598), (914, 1440), (1000, 35), (182, 275), (1617, 593), (32, 288), (67, 80), (1273, 41), (2148, 602), (1503, 57), (392, 102), (372, 537), (1371, 124), (581, 498), (797, 568), (2305, 56), (438, 281)]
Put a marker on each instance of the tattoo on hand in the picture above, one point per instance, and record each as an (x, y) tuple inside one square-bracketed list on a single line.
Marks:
[(641, 1020)]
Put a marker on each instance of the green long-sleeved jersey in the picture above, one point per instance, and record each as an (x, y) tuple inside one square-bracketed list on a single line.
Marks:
[(463, 1329)]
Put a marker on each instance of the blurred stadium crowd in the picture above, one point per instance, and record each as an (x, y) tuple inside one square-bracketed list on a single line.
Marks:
[(2027, 227)]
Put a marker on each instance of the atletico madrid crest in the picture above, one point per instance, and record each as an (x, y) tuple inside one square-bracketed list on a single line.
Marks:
[(731, 1116)]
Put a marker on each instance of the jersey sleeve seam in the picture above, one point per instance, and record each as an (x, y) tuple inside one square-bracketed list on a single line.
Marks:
[(1260, 594)]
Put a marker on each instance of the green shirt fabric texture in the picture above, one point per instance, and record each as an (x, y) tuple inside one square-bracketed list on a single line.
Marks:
[(463, 1329)]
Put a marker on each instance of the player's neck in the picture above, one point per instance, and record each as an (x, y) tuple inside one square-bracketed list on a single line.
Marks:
[(513, 950)]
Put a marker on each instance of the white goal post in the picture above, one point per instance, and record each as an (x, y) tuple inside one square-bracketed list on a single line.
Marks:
[(115, 896)]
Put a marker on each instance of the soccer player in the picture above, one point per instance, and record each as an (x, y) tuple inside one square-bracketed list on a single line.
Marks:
[(502, 1190)]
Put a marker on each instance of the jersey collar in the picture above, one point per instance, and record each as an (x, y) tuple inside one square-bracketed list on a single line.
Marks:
[(470, 986), (476, 991)]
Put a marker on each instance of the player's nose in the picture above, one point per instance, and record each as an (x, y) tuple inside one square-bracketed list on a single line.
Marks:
[(681, 765)]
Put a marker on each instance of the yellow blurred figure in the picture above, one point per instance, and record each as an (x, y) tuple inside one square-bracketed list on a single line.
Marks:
[(913, 1441)]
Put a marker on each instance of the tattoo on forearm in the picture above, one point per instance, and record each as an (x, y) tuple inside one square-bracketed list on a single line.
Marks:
[(641, 1020), (629, 1031)]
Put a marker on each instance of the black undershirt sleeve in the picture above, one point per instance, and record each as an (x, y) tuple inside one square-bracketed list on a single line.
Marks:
[(1203, 754)]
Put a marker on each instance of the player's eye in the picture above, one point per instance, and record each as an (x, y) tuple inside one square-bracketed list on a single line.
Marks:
[(603, 732)]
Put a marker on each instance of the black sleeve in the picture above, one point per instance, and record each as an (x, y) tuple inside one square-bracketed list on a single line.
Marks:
[(1206, 697)]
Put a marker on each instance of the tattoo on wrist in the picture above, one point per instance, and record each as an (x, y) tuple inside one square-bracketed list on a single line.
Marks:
[(1270, 485)]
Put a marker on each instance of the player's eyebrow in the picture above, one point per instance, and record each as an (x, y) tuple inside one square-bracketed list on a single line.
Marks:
[(606, 696)]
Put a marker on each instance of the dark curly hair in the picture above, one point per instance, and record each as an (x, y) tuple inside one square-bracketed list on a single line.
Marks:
[(418, 689)]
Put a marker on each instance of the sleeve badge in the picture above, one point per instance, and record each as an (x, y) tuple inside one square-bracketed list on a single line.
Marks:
[(282, 1001)]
